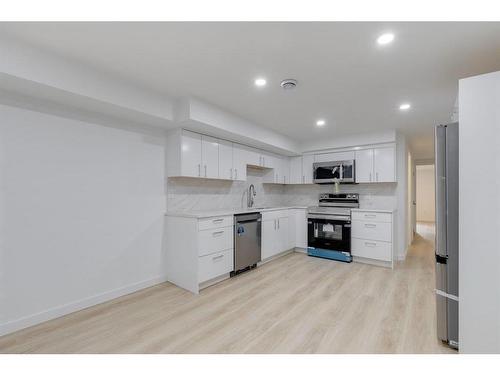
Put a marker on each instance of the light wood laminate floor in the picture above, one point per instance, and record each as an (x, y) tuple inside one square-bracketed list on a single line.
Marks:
[(295, 304)]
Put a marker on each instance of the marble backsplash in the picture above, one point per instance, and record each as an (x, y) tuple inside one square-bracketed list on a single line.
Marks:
[(191, 194), (186, 194), (380, 195)]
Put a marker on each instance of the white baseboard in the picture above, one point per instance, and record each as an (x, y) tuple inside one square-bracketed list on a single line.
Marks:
[(300, 250), (401, 257), (372, 262), (56, 312)]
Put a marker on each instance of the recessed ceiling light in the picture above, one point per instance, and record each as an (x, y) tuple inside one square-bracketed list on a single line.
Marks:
[(259, 82), (385, 38), (405, 106), (320, 123)]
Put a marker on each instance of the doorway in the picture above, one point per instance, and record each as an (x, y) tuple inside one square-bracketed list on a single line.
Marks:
[(425, 200)]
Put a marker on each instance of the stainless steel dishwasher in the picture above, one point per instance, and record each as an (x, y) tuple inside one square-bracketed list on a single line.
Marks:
[(247, 241)]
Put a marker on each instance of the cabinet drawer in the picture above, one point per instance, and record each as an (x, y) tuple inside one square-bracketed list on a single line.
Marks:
[(214, 240), (215, 222), (371, 249), (383, 217), (372, 230), (213, 265)]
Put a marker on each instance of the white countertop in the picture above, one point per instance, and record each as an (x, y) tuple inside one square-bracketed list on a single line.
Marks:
[(391, 211), (234, 211)]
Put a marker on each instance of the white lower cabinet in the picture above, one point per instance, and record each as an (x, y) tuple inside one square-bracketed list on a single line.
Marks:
[(372, 236), (275, 233), (213, 240), (199, 252), (298, 227), (372, 230), (370, 249), (214, 265)]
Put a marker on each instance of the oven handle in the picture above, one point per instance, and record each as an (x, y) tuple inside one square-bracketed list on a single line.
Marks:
[(329, 217)]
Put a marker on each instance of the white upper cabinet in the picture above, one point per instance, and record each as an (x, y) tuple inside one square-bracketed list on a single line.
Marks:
[(199, 156), (295, 170), (191, 154), (226, 169), (240, 160), (210, 157), (384, 164), (376, 165), (285, 170), (334, 156), (307, 169), (275, 165), (253, 156), (300, 169), (364, 165)]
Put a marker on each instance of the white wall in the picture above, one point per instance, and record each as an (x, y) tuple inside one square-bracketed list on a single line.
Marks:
[(81, 214), (426, 205), (479, 223)]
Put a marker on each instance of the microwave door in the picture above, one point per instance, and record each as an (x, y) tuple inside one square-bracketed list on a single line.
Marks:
[(348, 171), (326, 173)]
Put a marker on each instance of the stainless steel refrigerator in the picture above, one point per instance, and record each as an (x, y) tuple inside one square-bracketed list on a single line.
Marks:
[(446, 167)]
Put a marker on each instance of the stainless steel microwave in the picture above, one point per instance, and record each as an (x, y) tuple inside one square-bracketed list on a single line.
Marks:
[(329, 172)]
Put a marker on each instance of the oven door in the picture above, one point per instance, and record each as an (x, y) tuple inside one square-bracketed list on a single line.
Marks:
[(329, 234)]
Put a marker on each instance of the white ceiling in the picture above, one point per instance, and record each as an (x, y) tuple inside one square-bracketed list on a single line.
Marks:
[(344, 76)]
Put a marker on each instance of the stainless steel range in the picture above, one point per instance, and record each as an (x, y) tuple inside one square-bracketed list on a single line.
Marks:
[(329, 226)]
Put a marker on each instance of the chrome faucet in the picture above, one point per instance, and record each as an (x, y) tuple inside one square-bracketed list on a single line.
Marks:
[(251, 195)]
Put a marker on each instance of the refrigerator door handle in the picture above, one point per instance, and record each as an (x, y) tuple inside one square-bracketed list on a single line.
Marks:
[(441, 259), (440, 170)]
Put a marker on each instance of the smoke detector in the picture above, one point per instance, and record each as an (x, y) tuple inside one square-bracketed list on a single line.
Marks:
[(288, 84)]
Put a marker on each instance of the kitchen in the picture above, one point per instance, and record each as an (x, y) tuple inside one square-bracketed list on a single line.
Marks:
[(284, 223), (244, 188)]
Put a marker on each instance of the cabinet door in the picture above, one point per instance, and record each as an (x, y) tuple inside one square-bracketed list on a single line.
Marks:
[(296, 170), (210, 157), (226, 160), (276, 163), (334, 156), (240, 161), (191, 154), (283, 239), (364, 165), (269, 243), (307, 169), (253, 156), (300, 229), (384, 164), (292, 227), (285, 170)]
